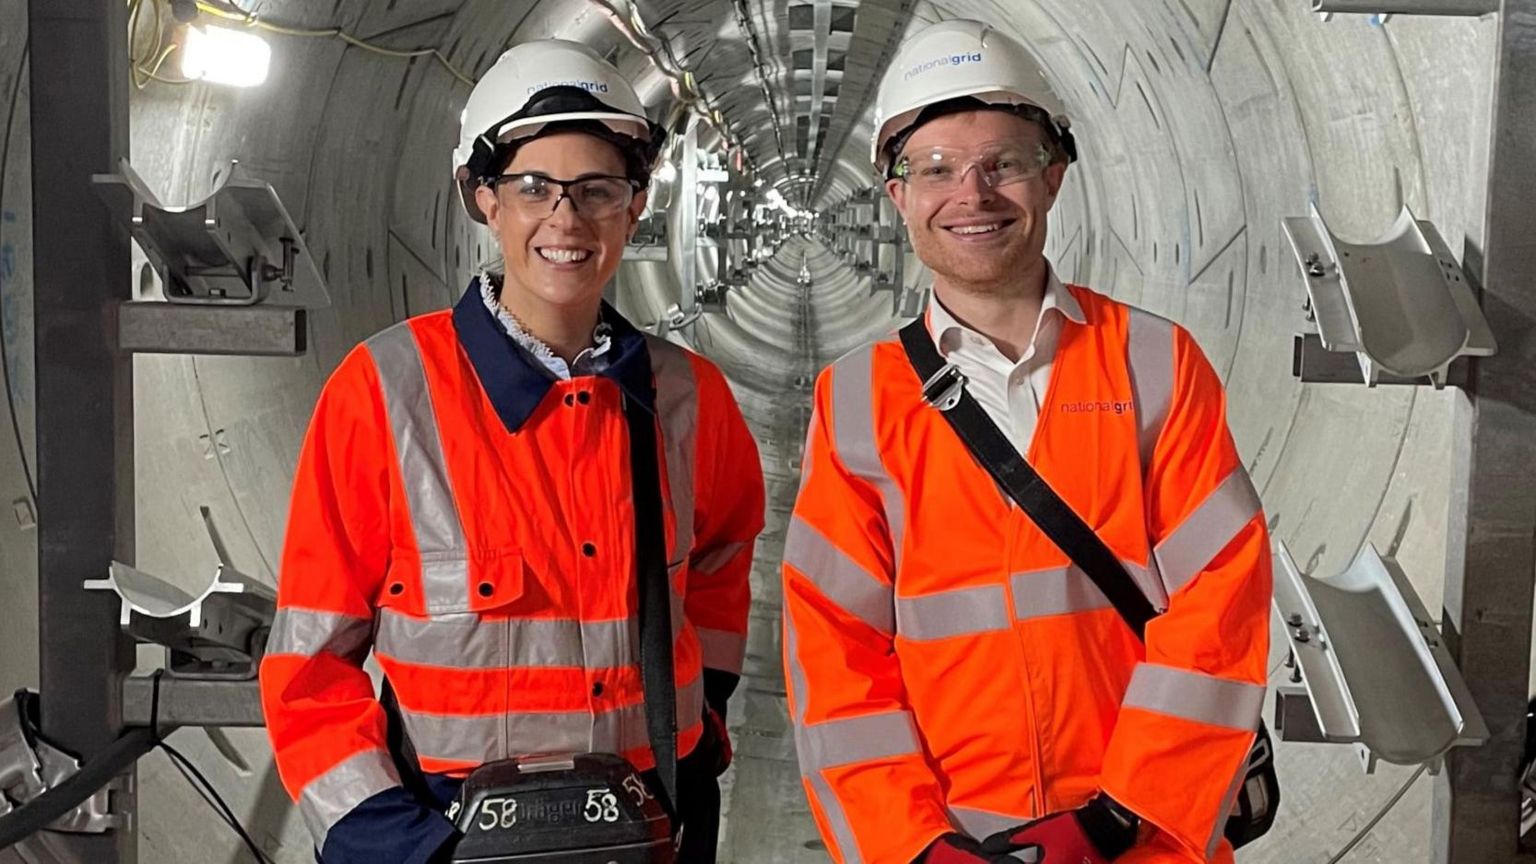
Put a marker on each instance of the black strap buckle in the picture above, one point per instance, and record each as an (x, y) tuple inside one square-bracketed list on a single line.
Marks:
[(944, 389)]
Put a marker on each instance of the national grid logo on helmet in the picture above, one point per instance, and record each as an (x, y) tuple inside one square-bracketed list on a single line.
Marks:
[(589, 86), (950, 60)]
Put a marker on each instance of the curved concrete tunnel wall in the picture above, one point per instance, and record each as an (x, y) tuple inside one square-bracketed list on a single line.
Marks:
[(1202, 122)]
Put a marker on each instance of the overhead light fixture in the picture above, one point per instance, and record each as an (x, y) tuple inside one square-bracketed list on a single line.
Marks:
[(220, 55)]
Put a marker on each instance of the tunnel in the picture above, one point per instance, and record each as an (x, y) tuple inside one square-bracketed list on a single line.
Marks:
[(768, 247)]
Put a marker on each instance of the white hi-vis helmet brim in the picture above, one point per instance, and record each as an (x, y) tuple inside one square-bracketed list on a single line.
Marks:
[(949, 60), (524, 72)]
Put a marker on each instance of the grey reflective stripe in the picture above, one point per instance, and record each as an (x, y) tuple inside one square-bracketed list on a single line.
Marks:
[(796, 671), (981, 823), (445, 579), (856, 739), (464, 641), (307, 633), (853, 428), (837, 819), (332, 795), (625, 728), (481, 738), (821, 791), (722, 649), (679, 604), (677, 407), (840, 578), (1148, 580), (712, 561), (424, 470), (961, 612), (1150, 352), (488, 737), (1195, 696), (690, 703), (1056, 591), (620, 730), (1228, 803), (805, 451), (1207, 530)]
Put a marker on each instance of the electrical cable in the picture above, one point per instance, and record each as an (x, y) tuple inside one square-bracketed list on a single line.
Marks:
[(202, 785), (1380, 814), (235, 13), (45, 809), (214, 799), (158, 54)]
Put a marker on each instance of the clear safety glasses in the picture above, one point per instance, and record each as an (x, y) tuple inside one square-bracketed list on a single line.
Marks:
[(595, 197), (941, 169)]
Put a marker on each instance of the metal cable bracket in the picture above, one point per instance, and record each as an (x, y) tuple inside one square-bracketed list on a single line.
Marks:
[(1368, 666), (1402, 305)]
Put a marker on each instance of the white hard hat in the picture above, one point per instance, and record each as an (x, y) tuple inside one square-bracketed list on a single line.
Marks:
[(955, 59), (538, 83)]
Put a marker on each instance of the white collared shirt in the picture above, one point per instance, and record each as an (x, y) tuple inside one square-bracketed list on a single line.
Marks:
[(1009, 392), (591, 360)]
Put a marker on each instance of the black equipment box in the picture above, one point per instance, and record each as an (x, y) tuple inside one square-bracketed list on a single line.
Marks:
[(567, 809)]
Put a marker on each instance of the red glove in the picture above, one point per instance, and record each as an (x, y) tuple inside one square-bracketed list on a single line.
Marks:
[(1096, 833), (960, 849)]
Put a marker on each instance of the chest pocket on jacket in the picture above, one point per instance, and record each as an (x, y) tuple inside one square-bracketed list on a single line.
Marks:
[(454, 581), (430, 611)]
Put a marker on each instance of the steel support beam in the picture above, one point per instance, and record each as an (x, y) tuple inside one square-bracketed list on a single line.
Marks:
[(79, 74), (193, 702), (246, 331), (1491, 545), (1408, 7), (1313, 363)]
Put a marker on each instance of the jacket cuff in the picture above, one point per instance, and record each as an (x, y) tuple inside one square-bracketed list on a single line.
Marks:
[(390, 826)]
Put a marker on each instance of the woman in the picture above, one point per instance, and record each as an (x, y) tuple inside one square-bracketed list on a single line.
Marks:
[(463, 504)]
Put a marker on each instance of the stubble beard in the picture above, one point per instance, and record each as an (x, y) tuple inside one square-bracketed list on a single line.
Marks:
[(982, 275)]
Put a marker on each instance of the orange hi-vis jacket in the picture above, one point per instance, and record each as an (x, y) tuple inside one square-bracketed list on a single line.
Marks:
[(469, 519), (950, 669)]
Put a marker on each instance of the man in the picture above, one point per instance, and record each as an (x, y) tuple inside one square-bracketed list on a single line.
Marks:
[(961, 693), (463, 505)]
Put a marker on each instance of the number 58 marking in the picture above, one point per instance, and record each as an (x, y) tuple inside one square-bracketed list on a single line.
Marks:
[(602, 806), (497, 813)]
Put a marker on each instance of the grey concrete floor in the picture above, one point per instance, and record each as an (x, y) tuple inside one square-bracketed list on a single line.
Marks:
[(1203, 123)]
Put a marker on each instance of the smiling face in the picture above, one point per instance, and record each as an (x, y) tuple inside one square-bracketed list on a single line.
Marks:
[(564, 258), (974, 235)]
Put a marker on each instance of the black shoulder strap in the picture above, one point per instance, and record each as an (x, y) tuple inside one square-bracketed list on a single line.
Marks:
[(656, 669), (944, 388)]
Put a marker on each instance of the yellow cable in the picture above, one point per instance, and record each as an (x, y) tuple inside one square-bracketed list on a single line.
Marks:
[(250, 20), (149, 74)]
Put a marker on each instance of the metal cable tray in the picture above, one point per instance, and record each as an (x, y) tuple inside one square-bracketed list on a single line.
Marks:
[(1368, 666), (220, 632), (1402, 305), (236, 247)]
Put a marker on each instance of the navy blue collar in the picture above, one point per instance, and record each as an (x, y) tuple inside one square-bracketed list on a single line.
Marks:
[(516, 387)]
